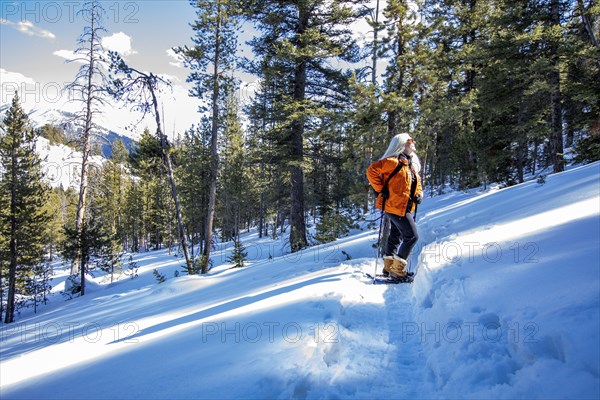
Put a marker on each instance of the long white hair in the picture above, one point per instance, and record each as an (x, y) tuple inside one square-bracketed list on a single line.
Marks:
[(396, 147)]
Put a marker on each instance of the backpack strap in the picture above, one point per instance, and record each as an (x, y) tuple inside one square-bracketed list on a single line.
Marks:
[(390, 176), (413, 189), (394, 172)]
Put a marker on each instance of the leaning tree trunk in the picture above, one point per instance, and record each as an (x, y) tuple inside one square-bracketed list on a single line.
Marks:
[(169, 167)]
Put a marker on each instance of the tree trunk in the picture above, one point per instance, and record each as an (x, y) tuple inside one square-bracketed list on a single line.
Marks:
[(169, 166), (570, 129), (1, 291), (261, 217), (424, 166), (157, 219), (556, 137), (375, 48), (83, 184), (534, 156), (276, 224), (297, 224), (193, 234), (12, 269), (170, 233), (214, 161), (587, 23)]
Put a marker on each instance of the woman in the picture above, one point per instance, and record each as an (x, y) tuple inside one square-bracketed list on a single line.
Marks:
[(395, 177)]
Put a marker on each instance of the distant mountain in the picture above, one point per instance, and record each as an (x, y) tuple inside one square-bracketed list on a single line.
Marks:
[(112, 137), (68, 122), (61, 164)]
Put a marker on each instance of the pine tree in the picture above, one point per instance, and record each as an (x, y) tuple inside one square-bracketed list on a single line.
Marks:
[(193, 175), (332, 225), (4, 266), (239, 255), (365, 140), (235, 185), (268, 146), (582, 102), (38, 285), (95, 237), (147, 200), (211, 58), (109, 200), (55, 208), (23, 195), (554, 44), (134, 217), (505, 107), (298, 39), (401, 79)]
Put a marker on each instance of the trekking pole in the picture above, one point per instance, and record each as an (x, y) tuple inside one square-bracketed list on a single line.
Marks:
[(378, 246), (411, 253), (379, 237)]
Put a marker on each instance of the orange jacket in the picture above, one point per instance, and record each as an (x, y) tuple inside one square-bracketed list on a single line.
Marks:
[(398, 186)]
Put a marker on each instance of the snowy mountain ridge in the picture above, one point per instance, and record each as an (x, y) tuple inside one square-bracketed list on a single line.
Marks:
[(60, 163), (504, 305)]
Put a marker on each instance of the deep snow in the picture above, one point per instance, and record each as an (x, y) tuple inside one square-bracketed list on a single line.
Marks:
[(505, 305)]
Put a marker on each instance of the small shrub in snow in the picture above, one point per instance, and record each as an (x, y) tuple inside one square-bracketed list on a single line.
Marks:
[(541, 179), (132, 268), (160, 278), (239, 254)]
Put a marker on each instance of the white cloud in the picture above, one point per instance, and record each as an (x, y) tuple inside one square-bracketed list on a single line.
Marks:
[(178, 111), (11, 82), (119, 42), (14, 77), (68, 55), (32, 94), (28, 28), (178, 59)]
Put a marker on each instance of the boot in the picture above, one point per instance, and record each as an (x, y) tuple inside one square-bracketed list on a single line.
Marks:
[(387, 265), (398, 267)]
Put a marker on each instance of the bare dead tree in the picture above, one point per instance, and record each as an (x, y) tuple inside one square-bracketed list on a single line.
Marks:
[(88, 88)]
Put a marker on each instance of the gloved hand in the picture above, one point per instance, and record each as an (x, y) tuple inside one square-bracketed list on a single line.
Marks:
[(418, 199), (385, 193)]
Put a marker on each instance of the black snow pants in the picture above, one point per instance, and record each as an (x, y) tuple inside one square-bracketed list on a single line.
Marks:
[(403, 229)]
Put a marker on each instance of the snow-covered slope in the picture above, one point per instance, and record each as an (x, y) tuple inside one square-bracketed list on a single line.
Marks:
[(509, 281), (514, 314), (61, 164)]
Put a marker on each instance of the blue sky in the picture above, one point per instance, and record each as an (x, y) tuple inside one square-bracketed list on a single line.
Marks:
[(153, 26), (36, 38)]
